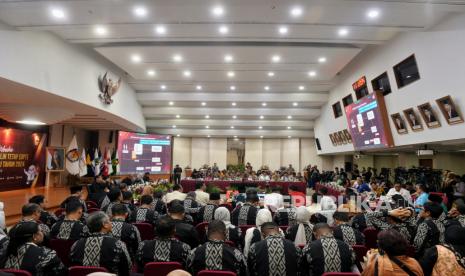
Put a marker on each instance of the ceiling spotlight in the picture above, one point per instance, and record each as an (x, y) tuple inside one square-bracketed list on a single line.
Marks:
[(228, 58), (151, 73), (231, 74), (171, 103), (260, 127), (31, 122), (270, 74), (301, 87), (232, 88), (174, 126), (289, 127), (311, 73), (295, 103), (296, 12), (207, 116), (208, 136), (177, 58), (187, 73), (373, 13), (179, 135), (178, 116), (232, 127), (207, 126), (136, 58), (289, 117), (235, 136), (283, 30), (161, 30), (262, 117), (263, 104), (261, 136), (233, 104), (100, 30), (198, 87), (140, 11), (58, 13), (276, 58), (234, 117), (217, 11), (203, 103), (162, 87), (343, 32), (223, 29), (289, 137), (266, 88), (322, 60)]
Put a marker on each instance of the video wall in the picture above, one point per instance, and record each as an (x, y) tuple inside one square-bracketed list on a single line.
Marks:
[(140, 153)]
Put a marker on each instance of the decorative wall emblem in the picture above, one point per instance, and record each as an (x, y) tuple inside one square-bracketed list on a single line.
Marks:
[(108, 88)]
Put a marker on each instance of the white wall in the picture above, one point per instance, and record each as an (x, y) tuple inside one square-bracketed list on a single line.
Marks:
[(271, 153), (441, 63), (200, 152), (218, 152), (254, 152)]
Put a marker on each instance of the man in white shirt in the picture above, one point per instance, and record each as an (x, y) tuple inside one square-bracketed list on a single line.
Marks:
[(398, 190), (275, 200), (200, 195), (175, 194), (326, 202), (264, 177)]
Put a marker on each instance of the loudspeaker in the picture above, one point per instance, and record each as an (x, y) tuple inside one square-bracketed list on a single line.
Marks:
[(348, 166), (318, 145), (110, 139), (93, 139)]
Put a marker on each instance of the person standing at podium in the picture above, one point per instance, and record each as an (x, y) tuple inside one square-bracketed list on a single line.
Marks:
[(177, 174)]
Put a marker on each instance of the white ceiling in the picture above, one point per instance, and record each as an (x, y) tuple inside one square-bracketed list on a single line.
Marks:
[(253, 39)]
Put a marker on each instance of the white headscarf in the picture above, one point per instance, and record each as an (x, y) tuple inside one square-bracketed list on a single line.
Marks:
[(263, 216), (302, 218), (222, 213)]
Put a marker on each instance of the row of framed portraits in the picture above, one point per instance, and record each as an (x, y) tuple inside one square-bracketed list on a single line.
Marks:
[(340, 138), (448, 109)]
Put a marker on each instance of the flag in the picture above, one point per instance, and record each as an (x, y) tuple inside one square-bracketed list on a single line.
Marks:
[(88, 160), (72, 157), (83, 163), (96, 163), (114, 162), (109, 162)]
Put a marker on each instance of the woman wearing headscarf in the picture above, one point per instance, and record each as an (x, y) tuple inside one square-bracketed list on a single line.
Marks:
[(448, 258), (233, 233), (301, 233), (23, 252), (254, 234)]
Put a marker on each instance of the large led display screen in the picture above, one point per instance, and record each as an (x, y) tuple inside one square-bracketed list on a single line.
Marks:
[(368, 123), (140, 153)]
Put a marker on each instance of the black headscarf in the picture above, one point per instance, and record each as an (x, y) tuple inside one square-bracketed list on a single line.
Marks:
[(20, 234), (455, 240)]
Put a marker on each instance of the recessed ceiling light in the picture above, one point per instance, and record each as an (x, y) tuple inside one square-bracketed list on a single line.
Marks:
[(140, 11), (261, 136), (289, 137), (179, 135), (289, 127), (374, 13), (322, 59), (203, 103), (266, 88), (263, 104), (301, 87), (174, 126), (276, 58), (100, 30), (234, 117), (178, 116), (262, 117), (235, 136), (160, 29), (295, 103), (228, 58), (207, 126), (289, 117), (31, 122), (177, 58), (231, 74), (198, 87), (187, 73), (260, 127), (58, 13), (223, 29), (232, 87), (233, 104), (136, 58), (151, 73), (162, 87), (343, 32), (296, 12), (311, 73), (232, 127), (171, 103), (270, 74), (208, 136), (207, 116), (217, 11), (283, 30)]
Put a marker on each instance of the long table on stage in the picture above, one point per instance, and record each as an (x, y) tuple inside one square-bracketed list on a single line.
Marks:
[(188, 185), (331, 191)]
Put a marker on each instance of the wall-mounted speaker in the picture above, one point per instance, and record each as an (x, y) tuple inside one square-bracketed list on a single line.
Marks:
[(318, 145)]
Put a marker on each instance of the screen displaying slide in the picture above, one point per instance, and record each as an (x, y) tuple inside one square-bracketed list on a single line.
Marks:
[(140, 153)]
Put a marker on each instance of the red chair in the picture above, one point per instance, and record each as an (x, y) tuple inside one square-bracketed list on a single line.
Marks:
[(360, 252), (91, 210), (371, 238), (341, 274), (58, 212), (244, 229), (301, 246), (62, 248), (284, 228), (215, 273), (202, 231), (91, 204), (146, 230), (444, 197), (16, 272), (160, 268), (84, 270), (230, 243)]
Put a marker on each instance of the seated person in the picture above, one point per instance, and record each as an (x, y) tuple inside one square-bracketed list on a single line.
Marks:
[(326, 202), (184, 231), (190, 204), (100, 248), (207, 212), (247, 213), (364, 187), (45, 217), (326, 254), (254, 234), (392, 258), (164, 248), (24, 252), (71, 227), (274, 255), (233, 233), (302, 232), (422, 197), (144, 213), (428, 233), (398, 190), (116, 197), (344, 232), (32, 212), (297, 198), (215, 254), (75, 193), (158, 204), (120, 229), (175, 194), (286, 216), (457, 216), (275, 200), (127, 201), (201, 196)]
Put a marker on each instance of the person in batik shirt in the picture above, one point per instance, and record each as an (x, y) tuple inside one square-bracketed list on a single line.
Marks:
[(207, 212), (70, 228), (246, 214), (144, 213), (122, 230)]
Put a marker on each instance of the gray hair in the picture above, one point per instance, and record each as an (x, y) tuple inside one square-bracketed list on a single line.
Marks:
[(96, 221)]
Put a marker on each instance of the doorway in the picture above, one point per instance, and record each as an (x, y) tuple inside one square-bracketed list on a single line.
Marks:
[(426, 163)]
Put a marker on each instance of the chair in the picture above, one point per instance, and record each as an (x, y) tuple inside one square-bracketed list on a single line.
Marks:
[(371, 238), (16, 272), (360, 252), (341, 274), (160, 268), (215, 273), (244, 229), (202, 231), (91, 210), (230, 243), (62, 248), (284, 228), (84, 270), (91, 204), (146, 230), (58, 212), (301, 246)]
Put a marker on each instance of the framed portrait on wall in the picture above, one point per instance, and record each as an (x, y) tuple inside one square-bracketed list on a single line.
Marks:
[(413, 119), (449, 110), (399, 123), (55, 159), (343, 137), (429, 115), (347, 135), (338, 138), (333, 140)]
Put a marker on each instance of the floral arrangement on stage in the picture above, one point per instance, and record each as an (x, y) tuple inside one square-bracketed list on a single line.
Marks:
[(137, 190)]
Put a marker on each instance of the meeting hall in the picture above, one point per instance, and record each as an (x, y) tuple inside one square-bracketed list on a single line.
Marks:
[(232, 138)]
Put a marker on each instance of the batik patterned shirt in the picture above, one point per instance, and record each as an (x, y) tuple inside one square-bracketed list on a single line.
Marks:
[(162, 250), (68, 230)]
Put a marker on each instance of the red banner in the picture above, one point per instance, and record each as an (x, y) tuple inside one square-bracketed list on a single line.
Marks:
[(22, 158)]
